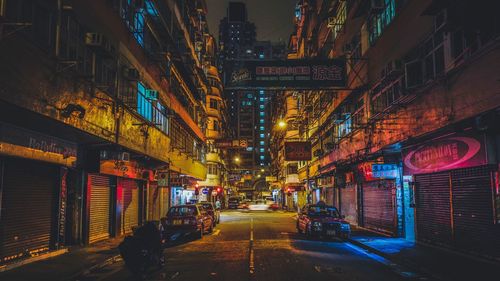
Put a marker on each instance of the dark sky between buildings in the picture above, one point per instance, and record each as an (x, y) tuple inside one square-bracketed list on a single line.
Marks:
[(273, 18)]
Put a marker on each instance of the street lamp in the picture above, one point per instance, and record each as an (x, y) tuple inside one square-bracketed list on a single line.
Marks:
[(237, 159), (262, 170), (281, 124)]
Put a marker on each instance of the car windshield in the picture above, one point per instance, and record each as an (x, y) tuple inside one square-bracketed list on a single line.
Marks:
[(323, 211), (207, 206), (183, 211)]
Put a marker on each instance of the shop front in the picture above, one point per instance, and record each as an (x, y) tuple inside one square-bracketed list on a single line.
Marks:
[(455, 181), (34, 181), (348, 190), (379, 197)]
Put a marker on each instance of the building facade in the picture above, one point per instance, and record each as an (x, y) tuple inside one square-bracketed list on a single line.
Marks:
[(103, 120), (410, 147)]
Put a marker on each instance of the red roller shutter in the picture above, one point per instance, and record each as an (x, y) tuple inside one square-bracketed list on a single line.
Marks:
[(348, 205), (29, 207), (379, 210), (130, 207)]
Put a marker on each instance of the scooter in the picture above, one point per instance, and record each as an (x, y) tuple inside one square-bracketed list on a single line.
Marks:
[(143, 250)]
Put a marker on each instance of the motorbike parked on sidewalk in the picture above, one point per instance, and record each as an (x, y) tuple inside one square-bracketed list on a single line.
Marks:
[(143, 250)]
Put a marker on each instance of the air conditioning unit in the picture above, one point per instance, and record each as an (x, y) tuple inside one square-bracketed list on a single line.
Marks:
[(393, 67), (347, 49), (151, 94), (124, 156), (318, 152), (331, 22), (99, 42), (131, 74), (377, 6)]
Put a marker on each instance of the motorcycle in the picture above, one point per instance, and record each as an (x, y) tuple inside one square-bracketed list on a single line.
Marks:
[(143, 250)]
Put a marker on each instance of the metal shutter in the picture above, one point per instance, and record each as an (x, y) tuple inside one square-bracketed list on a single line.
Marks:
[(379, 206), (473, 218), (348, 203), (165, 201), (100, 190), (130, 215), (154, 201), (433, 208), (28, 208)]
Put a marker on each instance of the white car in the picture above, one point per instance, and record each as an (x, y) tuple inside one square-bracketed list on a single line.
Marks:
[(258, 205)]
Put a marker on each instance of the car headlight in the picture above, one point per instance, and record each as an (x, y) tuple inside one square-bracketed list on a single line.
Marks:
[(345, 226), (317, 225)]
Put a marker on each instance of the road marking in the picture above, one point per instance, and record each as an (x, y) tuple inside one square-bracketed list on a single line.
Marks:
[(216, 232), (251, 265)]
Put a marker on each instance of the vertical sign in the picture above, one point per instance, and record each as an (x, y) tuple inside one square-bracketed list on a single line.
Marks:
[(63, 192)]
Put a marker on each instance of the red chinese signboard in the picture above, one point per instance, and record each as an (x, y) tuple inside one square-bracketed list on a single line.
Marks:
[(298, 151), (451, 152)]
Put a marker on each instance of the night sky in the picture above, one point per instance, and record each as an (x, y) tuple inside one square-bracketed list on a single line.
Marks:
[(273, 18)]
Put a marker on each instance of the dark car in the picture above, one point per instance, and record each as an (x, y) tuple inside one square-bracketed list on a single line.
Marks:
[(321, 220), (186, 220), (211, 210), (233, 202)]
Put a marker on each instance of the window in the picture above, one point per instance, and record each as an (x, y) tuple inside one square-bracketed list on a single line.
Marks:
[(261, 92), (261, 149), (292, 169), (144, 106), (261, 99), (262, 142), (160, 118), (261, 121), (134, 18), (261, 106), (262, 136), (249, 148), (378, 22), (262, 157), (340, 18), (212, 169), (261, 128), (216, 125), (262, 113), (250, 96), (214, 104)]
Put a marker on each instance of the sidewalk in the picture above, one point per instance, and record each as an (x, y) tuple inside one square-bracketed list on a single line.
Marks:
[(434, 262), (65, 266)]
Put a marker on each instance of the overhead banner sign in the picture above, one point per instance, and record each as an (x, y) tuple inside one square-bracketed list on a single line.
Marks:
[(452, 152), (386, 171), (279, 74), (241, 143), (298, 151)]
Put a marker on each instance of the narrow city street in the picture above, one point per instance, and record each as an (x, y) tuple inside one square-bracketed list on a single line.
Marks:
[(263, 246)]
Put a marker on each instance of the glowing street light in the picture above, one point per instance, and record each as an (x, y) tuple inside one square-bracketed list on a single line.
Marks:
[(262, 170), (237, 159), (281, 124)]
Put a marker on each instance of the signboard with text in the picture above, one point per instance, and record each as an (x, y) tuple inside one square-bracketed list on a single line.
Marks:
[(241, 143), (299, 74), (298, 151), (451, 152), (386, 171)]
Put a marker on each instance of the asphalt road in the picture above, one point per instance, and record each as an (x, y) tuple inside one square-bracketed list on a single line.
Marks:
[(263, 246)]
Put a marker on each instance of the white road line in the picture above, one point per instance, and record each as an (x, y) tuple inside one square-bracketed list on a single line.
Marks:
[(216, 232), (251, 264)]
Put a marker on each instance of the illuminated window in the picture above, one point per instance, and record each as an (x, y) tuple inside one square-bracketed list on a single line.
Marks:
[(261, 92), (262, 113), (144, 106), (262, 136), (261, 106), (261, 128), (379, 21), (262, 157), (261, 150), (262, 121), (262, 142)]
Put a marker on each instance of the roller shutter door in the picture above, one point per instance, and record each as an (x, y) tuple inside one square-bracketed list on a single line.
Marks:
[(348, 205), (433, 208), (100, 192), (154, 201), (130, 201), (29, 207), (379, 210), (473, 217)]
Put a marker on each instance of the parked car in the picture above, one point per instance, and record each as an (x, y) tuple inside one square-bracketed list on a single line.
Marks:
[(233, 202), (274, 206), (322, 220), (244, 204), (258, 205), (187, 220), (211, 210)]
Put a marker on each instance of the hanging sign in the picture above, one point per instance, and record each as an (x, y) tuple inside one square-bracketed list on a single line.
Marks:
[(386, 171), (298, 74), (451, 152), (298, 151)]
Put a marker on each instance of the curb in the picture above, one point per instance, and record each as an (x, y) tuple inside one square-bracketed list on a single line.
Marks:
[(97, 266), (403, 262), (42, 257)]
